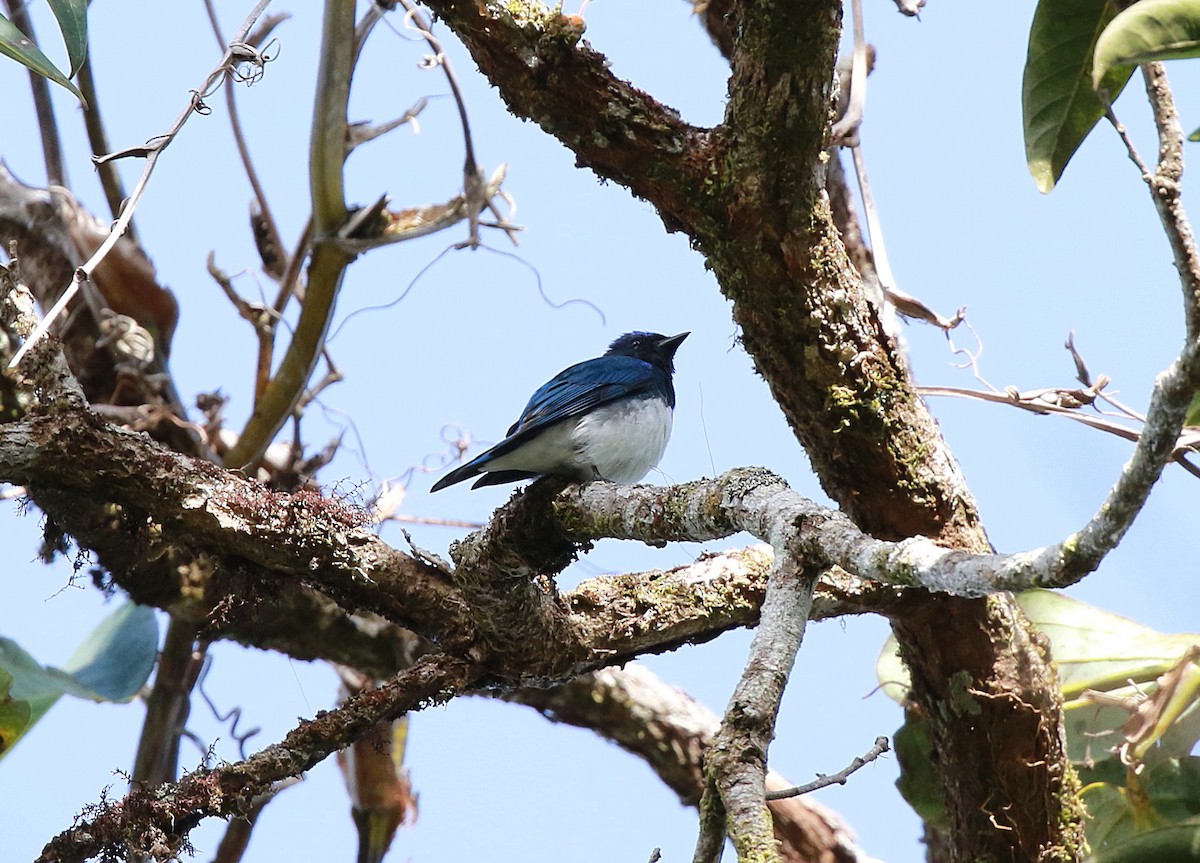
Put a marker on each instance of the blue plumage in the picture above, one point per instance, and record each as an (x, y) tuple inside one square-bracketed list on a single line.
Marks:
[(605, 418)]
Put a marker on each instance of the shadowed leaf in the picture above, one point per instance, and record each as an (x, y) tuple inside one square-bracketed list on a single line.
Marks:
[(1146, 31), (1059, 105), (18, 46), (72, 21)]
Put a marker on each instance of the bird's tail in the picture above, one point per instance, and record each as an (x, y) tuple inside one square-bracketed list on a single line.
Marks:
[(457, 475)]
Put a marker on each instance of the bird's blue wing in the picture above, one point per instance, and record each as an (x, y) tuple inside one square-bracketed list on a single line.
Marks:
[(583, 387), (572, 392)]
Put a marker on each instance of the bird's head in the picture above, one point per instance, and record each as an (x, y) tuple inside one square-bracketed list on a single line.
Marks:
[(656, 349)]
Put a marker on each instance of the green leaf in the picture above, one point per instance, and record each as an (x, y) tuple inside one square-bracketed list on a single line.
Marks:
[(111, 664), (14, 714), (1192, 418), (918, 783), (1167, 793), (1094, 649), (18, 46), (1059, 105), (72, 21), (1173, 843), (118, 656), (34, 682), (1146, 31)]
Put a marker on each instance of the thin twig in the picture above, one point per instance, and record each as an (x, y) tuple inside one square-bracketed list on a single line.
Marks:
[(289, 285), (361, 133), (1166, 191), (1130, 149), (56, 171), (1178, 383), (881, 746), (883, 268), (151, 150), (233, 715), (437, 522), (1184, 445), (474, 189), (845, 133), (414, 222), (239, 138), (327, 262), (845, 130), (110, 177), (262, 319)]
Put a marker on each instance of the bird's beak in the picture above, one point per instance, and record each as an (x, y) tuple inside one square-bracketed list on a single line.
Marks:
[(671, 343)]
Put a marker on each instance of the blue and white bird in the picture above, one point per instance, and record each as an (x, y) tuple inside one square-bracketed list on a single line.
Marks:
[(607, 418)]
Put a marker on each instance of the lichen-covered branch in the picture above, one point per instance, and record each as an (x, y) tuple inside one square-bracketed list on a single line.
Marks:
[(145, 509), (156, 822), (671, 732), (547, 73), (737, 760), (739, 499)]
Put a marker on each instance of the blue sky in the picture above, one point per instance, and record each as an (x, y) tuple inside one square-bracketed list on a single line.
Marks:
[(473, 337)]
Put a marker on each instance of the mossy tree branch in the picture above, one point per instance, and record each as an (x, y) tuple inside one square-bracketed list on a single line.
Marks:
[(750, 194)]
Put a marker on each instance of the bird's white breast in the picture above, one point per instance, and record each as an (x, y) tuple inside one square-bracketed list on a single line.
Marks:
[(618, 442), (624, 440)]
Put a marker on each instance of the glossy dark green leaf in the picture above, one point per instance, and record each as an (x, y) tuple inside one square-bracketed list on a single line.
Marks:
[(1149, 30), (18, 46), (1059, 105), (72, 21)]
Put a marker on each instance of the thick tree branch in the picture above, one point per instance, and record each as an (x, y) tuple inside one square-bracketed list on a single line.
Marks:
[(285, 571), (146, 510), (742, 498), (548, 74), (156, 822), (737, 760), (671, 732)]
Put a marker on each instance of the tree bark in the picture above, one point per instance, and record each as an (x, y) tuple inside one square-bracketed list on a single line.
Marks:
[(750, 193)]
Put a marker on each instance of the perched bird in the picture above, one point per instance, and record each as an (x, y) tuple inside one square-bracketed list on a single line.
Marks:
[(607, 418)]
